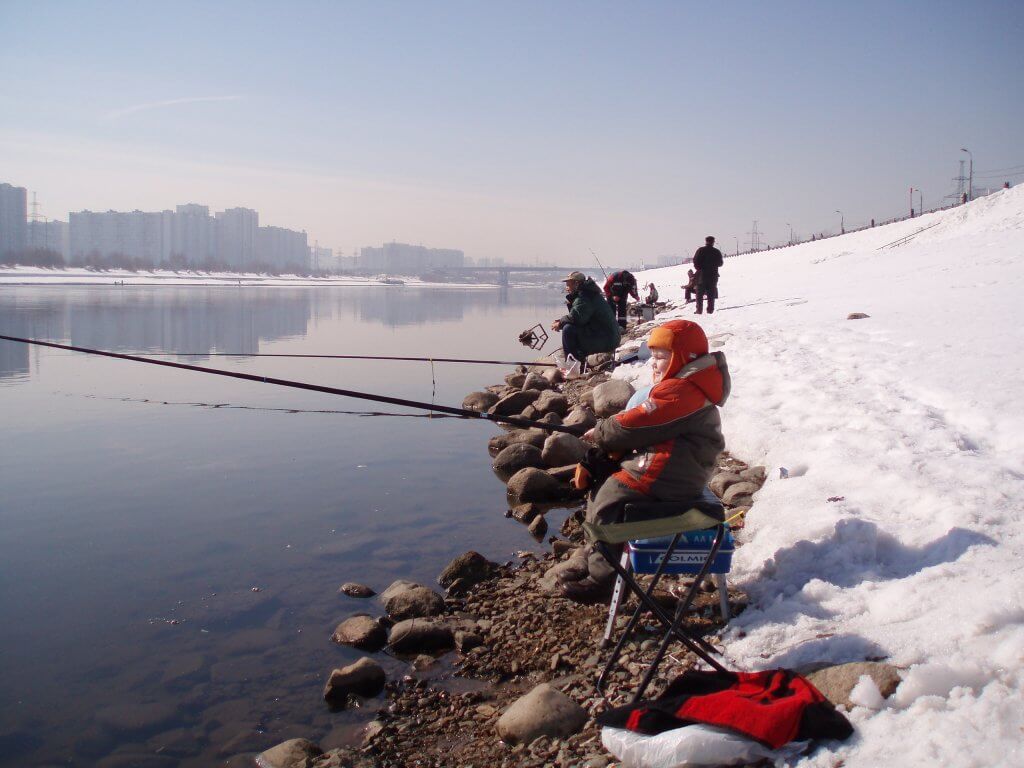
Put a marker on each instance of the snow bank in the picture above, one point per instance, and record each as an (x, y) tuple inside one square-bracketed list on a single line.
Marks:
[(914, 417)]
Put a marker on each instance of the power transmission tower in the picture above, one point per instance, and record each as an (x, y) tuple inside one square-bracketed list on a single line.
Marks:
[(961, 185), (755, 238)]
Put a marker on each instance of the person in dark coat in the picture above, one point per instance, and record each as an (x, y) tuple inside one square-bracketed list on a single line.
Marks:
[(589, 327), (618, 287), (706, 261)]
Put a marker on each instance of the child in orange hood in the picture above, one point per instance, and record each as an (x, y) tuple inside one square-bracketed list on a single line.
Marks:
[(672, 441)]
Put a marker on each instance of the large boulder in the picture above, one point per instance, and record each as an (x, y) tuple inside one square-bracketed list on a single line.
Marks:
[(611, 397), (535, 381), (513, 404), (515, 380), (364, 678), (544, 711), (534, 437), (420, 636), (836, 683), (552, 375), (514, 458), (535, 485), (581, 417), (561, 449), (471, 567), (479, 401), (407, 600), (552, 402), (361, 631), (294, 753)]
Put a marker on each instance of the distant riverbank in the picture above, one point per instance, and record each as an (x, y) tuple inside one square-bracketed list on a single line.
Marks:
[(83, 276)]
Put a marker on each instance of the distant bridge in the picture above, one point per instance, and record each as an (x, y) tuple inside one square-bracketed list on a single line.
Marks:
[(506, 270)]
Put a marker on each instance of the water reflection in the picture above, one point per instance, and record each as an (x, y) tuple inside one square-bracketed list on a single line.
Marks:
[(140, 506), (201, 320)]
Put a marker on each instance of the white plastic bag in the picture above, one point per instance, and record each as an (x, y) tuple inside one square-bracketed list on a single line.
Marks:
[(692, 745)]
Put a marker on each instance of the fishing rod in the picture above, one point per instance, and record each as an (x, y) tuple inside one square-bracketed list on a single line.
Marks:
[(347, 357), (598, 263), (517, 421)]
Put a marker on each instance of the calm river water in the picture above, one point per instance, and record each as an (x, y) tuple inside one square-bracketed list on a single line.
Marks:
[(142, 507)]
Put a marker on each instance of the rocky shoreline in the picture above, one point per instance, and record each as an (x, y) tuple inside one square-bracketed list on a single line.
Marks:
[(500, 671)]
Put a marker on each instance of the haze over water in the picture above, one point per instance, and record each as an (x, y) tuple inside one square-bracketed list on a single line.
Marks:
[(135, 496)]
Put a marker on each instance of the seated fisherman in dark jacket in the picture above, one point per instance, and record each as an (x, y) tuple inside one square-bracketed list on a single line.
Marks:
[(590, 325), (671, 441)]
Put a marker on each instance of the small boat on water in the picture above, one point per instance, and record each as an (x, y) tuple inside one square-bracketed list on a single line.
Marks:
[(392, 281)]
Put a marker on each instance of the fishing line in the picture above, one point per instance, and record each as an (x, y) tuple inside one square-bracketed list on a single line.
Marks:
[(346, 357), (234, 407), (517, 421)]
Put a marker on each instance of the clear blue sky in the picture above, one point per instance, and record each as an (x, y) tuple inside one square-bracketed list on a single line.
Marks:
[(521, 130)]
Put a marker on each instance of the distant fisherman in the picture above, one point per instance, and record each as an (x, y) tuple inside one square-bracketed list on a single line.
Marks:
[(706, 261), (618, 287), (590, 326)]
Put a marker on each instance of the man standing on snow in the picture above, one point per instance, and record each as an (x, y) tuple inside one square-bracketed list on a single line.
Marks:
[(706, 261), (618, 287)]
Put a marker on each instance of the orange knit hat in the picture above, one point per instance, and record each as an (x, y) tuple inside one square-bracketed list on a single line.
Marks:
[(683, 338)]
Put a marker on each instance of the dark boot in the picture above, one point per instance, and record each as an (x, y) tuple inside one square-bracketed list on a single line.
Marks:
[(711, 305)]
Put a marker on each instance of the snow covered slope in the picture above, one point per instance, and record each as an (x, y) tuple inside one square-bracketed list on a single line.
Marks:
[(915, 417)]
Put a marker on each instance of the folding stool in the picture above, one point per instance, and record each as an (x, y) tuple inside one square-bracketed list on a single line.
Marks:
[(653, 520)]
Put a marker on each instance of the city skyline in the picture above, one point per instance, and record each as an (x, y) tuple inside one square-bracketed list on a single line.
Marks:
[(540, 131)]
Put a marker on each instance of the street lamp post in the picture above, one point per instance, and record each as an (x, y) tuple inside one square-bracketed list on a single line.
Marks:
[(737, 244), (920, 203), (842, 222), (970, 182), (790, 232), (911, 202)]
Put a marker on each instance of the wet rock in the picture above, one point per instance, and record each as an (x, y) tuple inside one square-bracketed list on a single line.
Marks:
[(294, 753), (471, 567), (406, 600), (525, 513), (420, 636), (535, 381), (364, 678), (514, 458), (529, 412), (479, 401), (720, 482), (611, 397), (583, 418), (857, 316), (535, 485), (552, 402), (563, 474), (835, 683), (544, 711), (352, 589), (133, 718), (538, 527), (562, 449), (513, 404), (534, 437), (740, 493), (467, 641), (754, 475), (361, 631)]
